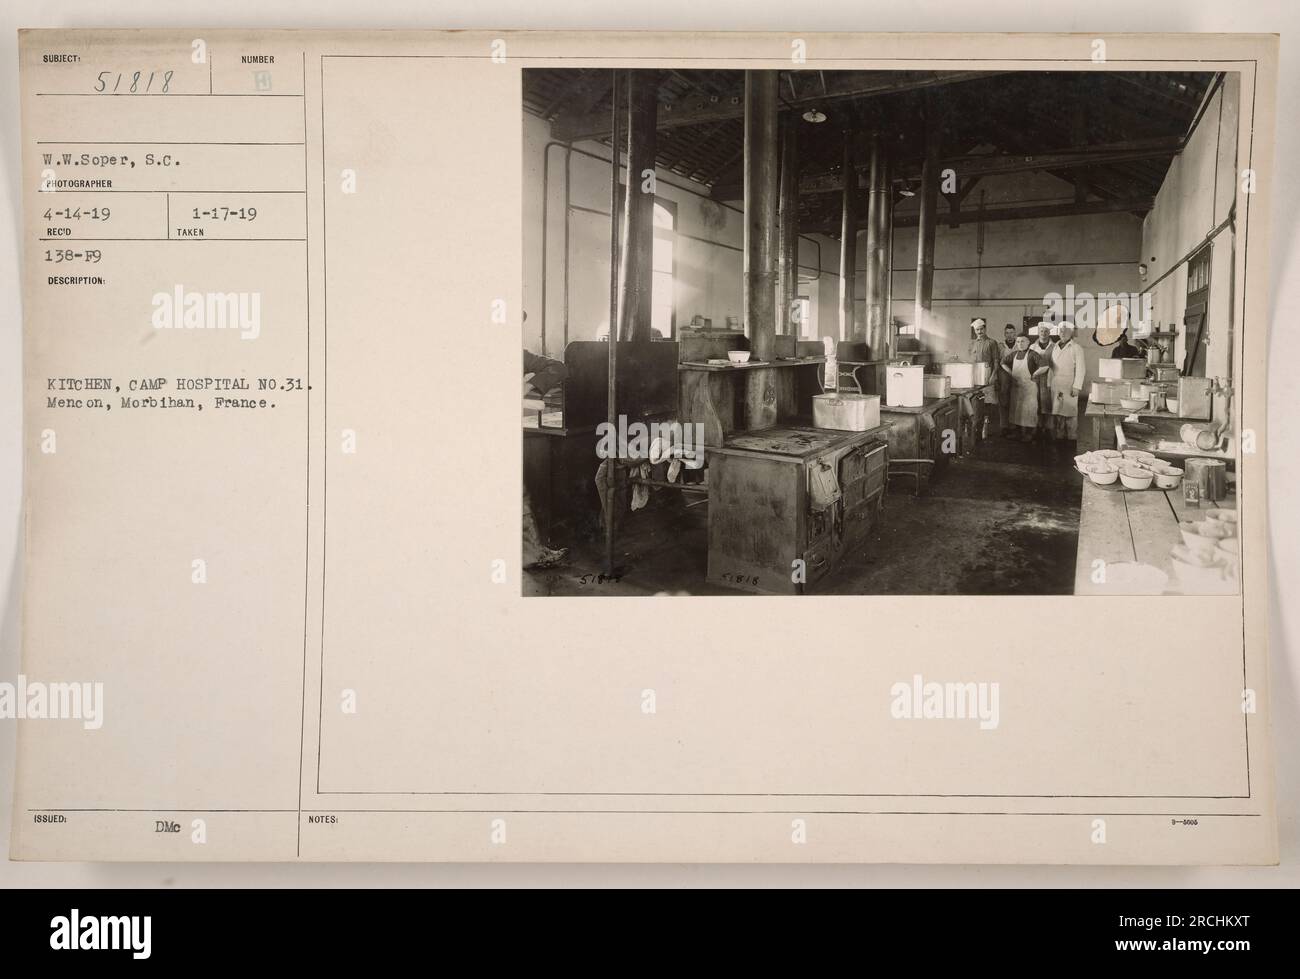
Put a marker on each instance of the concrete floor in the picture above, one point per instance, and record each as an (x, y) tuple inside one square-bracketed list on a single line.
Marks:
[(1002, 521)]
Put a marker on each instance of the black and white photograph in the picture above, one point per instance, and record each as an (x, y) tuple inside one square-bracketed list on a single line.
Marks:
[(882, 332)]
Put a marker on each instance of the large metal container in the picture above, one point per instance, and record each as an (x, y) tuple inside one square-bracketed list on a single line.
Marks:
[(962, 374), (938, 385), (846, 412), (904, 385), (1194, 398), (983, 374), (1108, 392), (1128, 368)]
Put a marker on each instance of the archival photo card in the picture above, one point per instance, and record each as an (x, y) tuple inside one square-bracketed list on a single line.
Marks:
[(899, 398)]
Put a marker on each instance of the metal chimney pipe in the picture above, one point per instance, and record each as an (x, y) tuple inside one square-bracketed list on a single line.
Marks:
[(848, 243), (636, 274), (926, 224), (788, 266), (878, 205), (761, 159)]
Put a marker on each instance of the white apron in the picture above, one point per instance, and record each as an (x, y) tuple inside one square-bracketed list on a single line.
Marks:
[(1064, 401), (1024, 394)]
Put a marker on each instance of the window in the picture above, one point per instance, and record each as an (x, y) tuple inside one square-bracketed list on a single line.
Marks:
[(663, 318), (1198, 303)]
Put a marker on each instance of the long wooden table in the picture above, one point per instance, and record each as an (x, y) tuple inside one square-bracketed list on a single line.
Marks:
[(1120, 525)]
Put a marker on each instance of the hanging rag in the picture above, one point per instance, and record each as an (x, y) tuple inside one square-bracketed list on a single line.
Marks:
[(641, 492)]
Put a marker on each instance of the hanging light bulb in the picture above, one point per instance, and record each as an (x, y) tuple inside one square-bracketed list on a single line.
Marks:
[(814, 115)]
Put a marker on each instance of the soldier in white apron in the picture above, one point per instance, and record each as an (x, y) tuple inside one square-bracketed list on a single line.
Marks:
[(1068, 376), (1023, 365)]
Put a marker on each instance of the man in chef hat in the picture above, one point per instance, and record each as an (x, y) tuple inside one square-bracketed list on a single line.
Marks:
[(985, 350), (1068, 374)]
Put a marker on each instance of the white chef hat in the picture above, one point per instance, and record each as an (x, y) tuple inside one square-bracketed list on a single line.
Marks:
[(1056, 329), (979, 319)]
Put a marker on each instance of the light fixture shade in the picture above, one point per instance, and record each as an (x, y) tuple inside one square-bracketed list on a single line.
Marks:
[(814, 115)]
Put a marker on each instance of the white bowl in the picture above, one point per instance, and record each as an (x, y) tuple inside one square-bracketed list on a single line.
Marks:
[(1216, 530), (1082, 462), (1130, 478), (738, 356), (1140, 455), (1169, 478), (1102, 474), (1193, 539), (1132, 404)]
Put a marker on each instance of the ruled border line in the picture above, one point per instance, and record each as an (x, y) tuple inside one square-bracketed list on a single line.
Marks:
[(533, 62)]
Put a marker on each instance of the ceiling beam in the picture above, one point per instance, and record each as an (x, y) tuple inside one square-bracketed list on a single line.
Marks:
[(581, 82), (692, 111), (991, 164), (1160, 91), (1020, 213)]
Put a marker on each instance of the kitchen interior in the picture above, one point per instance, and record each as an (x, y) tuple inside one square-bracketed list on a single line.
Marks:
[(796, 277)]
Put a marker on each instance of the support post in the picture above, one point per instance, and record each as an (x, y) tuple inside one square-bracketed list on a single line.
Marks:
[(926, 224), (788, 267), (879, 204), (848, 244), (636, 271), (611, 477), (761, 185)]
